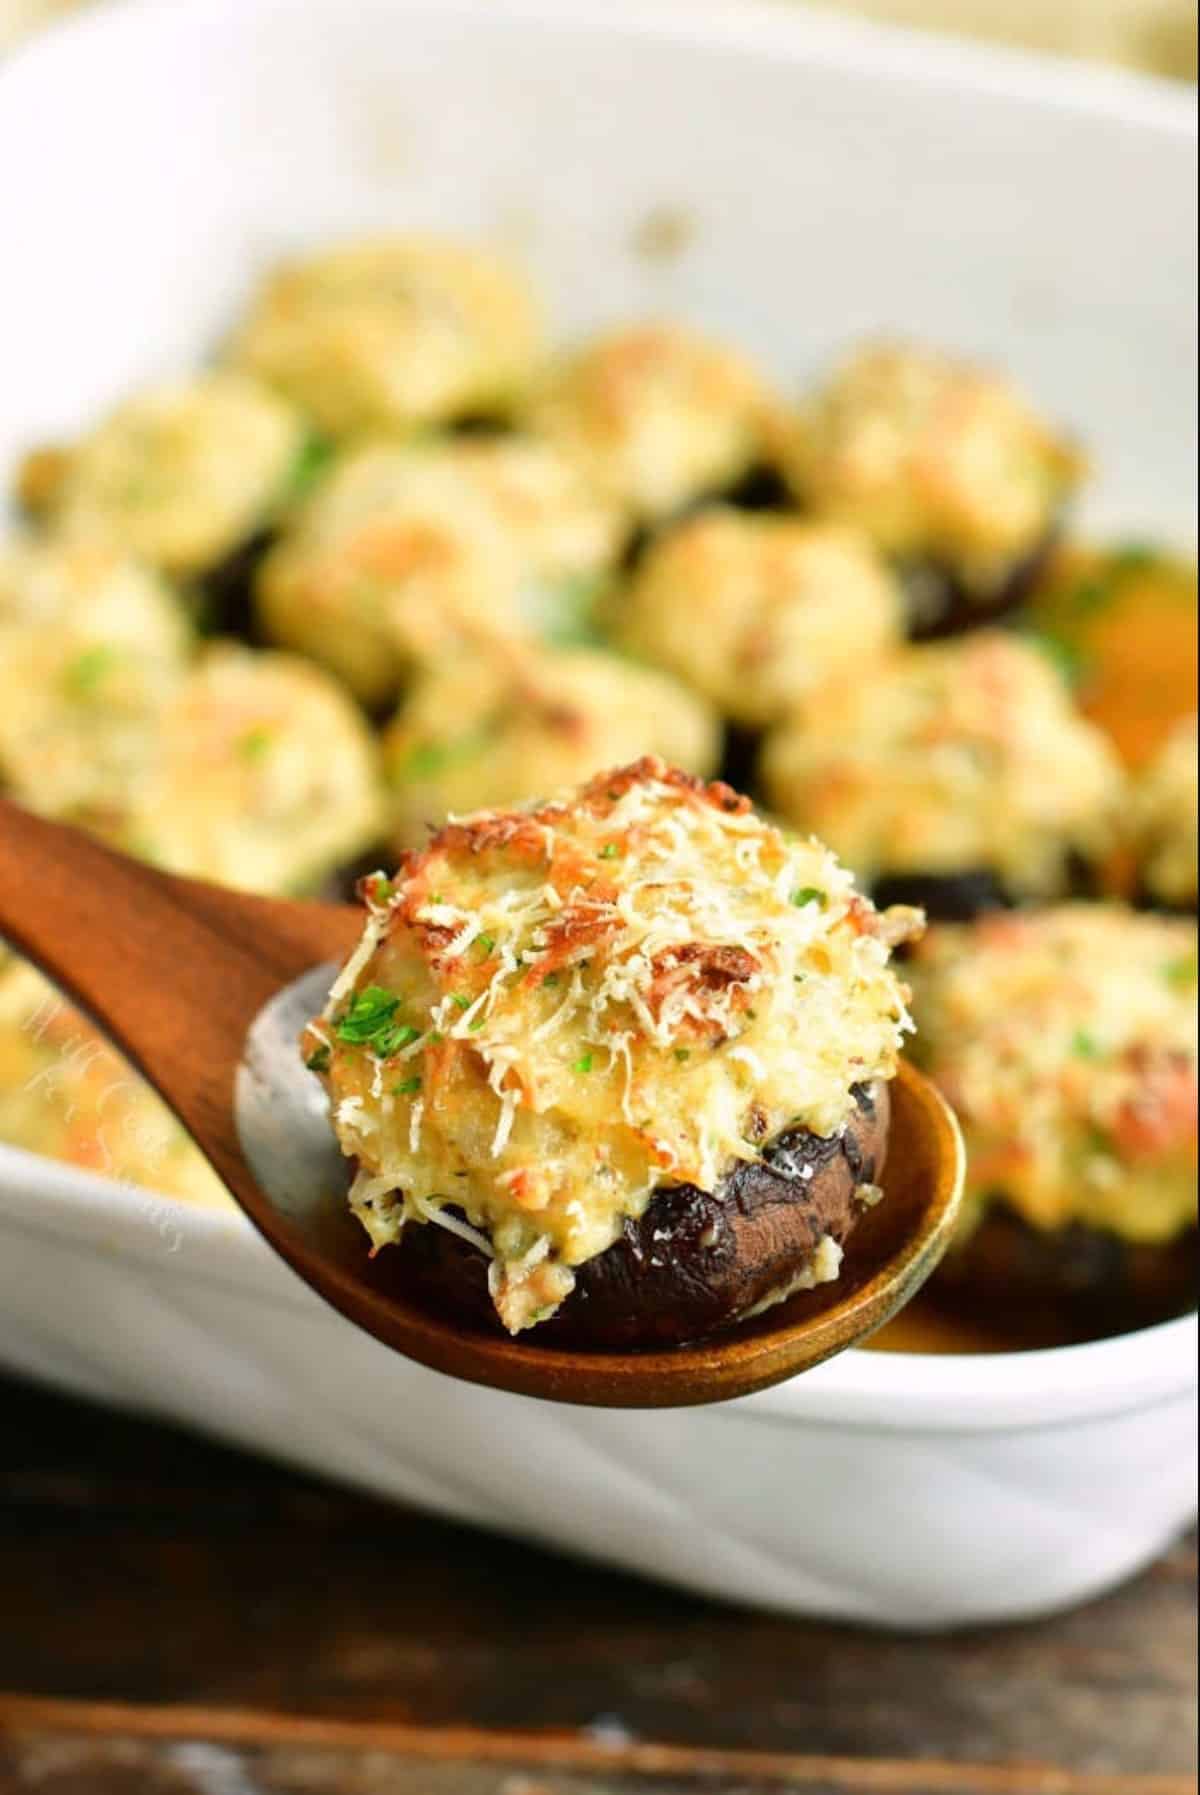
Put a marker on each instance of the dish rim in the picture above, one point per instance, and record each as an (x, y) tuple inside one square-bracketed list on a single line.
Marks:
[(892, 1391), (802, 32)]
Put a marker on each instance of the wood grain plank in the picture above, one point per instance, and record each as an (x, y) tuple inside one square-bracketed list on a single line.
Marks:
[(220, 1752), (208, 1577)]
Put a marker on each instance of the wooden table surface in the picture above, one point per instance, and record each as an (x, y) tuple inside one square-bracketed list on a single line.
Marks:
[(179, 1619)]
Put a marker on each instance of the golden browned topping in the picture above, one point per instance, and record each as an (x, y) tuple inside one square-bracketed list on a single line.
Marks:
[(556, 1010), (1066, 1041), (952, 757)]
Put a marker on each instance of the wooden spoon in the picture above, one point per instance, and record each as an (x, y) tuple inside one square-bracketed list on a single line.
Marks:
[(206, 990)]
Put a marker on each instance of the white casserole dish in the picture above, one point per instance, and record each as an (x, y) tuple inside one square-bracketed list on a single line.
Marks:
[(834, 180)]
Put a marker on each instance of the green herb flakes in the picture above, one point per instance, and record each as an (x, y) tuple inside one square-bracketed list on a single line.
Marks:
[(312, 459), (88, 670), (1180, 974), (370, 1021), (255, 743), (809, 894)]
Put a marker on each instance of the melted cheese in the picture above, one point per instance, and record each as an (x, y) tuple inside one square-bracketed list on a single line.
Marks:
[(949, 758), (590, 998), (1066, 1041)]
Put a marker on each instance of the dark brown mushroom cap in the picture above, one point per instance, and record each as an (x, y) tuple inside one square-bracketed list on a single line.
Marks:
[(940, 604), (694, 1261), (1079, 1280), (962, 896)]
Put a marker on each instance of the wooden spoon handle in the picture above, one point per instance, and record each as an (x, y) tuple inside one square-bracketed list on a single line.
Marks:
[(173, 969)]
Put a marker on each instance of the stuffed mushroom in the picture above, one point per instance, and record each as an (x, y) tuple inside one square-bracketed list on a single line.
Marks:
[(390, 334), (945, 466), (757, 611), (618, 1060), (186, 476), (67, 1094), (494, 729), (657, 416), (1065, 1039), (264, 776), (1165, 822), (92, 646), (956, 774), (400, 557)]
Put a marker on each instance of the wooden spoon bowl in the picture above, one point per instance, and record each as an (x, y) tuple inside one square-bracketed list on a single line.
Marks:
[(206, 990)]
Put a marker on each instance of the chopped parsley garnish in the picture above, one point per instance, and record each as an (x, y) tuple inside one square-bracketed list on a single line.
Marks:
[(370, 1021), (609, 851), (809, 894), (81, 676), (1099, 1142), (479, 1023), (583, 1064), (1181, 973), (381, 890), (408, 1087), (459, 1001), (318, 1059), (1134, 557), (683, 1053), (426, 760), (1067, 658), (255, 743), (1083, 1045), (486, 943), (311, 461), (367, 1013), (565, 611)]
